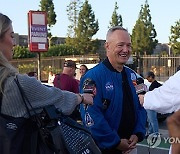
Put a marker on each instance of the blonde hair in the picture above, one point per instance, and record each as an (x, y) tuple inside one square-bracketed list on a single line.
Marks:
[(6, 68)]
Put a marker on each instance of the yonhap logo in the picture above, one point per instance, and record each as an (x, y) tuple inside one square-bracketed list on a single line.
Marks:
[(86, 151), (154, 140), (11, 126)]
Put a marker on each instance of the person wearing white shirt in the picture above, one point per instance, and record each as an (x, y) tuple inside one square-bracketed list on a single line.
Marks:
[(165, 99)]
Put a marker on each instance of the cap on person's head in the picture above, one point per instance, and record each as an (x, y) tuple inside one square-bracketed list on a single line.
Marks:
[(70, 63), (150, 74)]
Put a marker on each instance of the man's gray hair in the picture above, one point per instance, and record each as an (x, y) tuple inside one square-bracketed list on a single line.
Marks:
[(111, 30)]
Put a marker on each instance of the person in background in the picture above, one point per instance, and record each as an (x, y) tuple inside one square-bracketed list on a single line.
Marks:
[(32, 74), (38, 94), (164, 99), (116, 119), (173, 123), (153, 126), (82, 70), (51, 77), (178, 68), (66, 81), (75, 77)]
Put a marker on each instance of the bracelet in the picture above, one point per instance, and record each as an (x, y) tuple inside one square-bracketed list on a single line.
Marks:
[(82, 98)]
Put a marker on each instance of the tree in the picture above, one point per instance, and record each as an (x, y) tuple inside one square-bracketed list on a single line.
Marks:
[(175, 38), (144, 33), (48, 6), (73, 12), (115, 18), (60, 50), (87, 27)]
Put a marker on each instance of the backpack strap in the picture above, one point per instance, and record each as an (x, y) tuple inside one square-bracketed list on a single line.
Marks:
[(37, 119), (25, 99), (0, 101), (1, 96)]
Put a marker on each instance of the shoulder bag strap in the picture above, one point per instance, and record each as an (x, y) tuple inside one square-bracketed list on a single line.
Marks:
[(0, 101), (1, 95), (24, 97), (26, 103)]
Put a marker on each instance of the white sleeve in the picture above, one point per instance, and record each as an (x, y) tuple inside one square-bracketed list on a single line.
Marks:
[(165, 99)]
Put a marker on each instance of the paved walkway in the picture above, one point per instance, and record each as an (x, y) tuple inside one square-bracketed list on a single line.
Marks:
[(162, 148), (164, 132)]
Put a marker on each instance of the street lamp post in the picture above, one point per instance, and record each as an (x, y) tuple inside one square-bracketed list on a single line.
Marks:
[(169, 51), (169, 67)]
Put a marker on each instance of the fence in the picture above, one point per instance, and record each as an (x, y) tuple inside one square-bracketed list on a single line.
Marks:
[(51, 64), (162, 66)]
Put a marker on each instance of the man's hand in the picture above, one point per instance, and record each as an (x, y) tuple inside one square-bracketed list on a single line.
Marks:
[(132, 144), (123, 145), (141, 99), (133, 141)]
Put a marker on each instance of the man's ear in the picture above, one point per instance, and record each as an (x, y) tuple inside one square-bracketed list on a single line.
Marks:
[(106, 46)]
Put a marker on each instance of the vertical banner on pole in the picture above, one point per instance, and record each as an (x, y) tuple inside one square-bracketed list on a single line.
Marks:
[(37, 31)]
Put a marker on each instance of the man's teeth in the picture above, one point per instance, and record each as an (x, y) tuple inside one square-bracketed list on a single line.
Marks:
[(123, 55)]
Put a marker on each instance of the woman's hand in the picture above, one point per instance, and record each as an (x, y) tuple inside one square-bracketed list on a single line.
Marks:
[(85, 98), (141, 99)]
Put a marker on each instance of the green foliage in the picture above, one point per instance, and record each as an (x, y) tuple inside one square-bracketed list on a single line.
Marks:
[(48, 6), (56, 50), (22, 52), (25, 68), (175, 38), (60, 50), (73, 12), (87, 27), (116, 20), (144, 33)]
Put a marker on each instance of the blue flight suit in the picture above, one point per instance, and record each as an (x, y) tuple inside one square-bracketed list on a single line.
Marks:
[(104, 116)]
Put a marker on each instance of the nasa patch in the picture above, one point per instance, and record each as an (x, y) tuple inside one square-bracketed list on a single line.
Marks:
[(109, 86), (89, 86), (88, 120), (133, 76)]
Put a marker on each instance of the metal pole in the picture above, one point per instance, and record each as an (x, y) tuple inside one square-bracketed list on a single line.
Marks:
[(39, 65), (169, 50)]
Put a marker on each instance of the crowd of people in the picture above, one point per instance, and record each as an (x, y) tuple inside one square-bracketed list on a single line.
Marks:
[(113, 112)]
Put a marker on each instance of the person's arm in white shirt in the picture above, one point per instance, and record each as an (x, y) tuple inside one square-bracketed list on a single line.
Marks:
[(164, 99)]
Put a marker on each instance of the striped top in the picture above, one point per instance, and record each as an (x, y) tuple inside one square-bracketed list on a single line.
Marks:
[(38, 94)]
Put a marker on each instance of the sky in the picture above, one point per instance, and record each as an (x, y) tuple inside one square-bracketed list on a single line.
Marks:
[(164, 14)]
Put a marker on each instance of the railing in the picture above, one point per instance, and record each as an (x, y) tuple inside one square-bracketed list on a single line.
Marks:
[(162, 66), (51, 64)]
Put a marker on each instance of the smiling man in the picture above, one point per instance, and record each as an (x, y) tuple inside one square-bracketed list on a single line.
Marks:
[(116, 120)]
